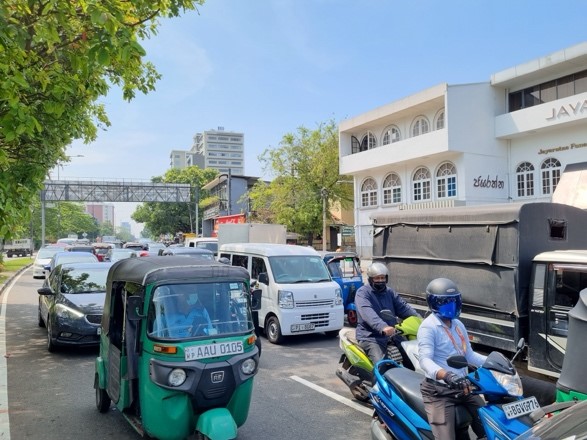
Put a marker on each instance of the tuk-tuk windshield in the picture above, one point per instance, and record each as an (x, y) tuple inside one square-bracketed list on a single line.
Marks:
[(344, 268), (186, 311)]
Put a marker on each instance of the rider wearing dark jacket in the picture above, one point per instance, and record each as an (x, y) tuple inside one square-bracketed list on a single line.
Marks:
[(373, 332)]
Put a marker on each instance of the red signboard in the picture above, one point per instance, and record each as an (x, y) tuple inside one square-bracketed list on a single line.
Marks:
[(235, 218)]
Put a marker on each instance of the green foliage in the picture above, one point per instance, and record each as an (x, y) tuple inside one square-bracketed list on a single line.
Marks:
[(57, 58), (169, 218), (306, 166)]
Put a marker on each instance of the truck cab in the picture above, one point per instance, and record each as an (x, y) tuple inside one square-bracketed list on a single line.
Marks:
[(557, 279)]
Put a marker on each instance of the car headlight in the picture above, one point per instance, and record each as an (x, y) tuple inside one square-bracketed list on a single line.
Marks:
[(510, 382), (337, 297), (66, 312), (177, 377), (249, 366), (285, 299)]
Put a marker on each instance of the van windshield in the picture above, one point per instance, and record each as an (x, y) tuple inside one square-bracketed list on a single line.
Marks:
[(194, 310), (299, 269)]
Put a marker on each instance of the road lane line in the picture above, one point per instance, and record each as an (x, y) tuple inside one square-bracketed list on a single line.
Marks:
[(4, 416), (343, 400)]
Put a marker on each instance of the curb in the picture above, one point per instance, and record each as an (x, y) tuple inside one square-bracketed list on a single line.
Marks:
[(11, 277)]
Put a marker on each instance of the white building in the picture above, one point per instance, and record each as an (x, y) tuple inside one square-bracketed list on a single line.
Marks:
[(506, 140), (218, 149)]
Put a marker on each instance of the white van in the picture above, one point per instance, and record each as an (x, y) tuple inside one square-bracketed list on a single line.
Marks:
[(298, 294), (210, 243)]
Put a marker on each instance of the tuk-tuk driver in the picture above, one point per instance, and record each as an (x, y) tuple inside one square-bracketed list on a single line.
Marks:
[(190, 318)]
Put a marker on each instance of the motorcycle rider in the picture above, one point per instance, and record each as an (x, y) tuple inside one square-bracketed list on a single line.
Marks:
[(373, 332), (440, 336)]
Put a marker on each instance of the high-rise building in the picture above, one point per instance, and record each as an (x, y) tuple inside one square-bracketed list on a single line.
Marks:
[(219, 149), (102, 212)]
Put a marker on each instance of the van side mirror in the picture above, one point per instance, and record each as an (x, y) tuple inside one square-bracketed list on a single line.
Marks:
[(134, 305), (263, 278), (256, 299)]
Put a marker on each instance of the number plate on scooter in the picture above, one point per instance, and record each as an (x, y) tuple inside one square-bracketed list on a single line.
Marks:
[(302, 327), (520, 407), (213, 350)]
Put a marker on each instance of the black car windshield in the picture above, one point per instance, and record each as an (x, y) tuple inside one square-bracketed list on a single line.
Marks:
[(299, 269), (75, 280), (187, 311)]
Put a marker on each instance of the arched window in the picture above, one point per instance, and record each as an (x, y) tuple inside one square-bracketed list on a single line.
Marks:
[(368, 142), (368, 193), (390, 135), (392, 189), (421, 126), (446, 181), (421, 184), (525, 178), (551, 174), (440, 120)]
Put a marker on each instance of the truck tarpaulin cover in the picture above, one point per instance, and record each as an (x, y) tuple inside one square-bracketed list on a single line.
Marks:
[(486, 250)]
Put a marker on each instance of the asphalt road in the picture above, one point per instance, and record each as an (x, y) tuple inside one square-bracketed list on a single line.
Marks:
[(296, 395)]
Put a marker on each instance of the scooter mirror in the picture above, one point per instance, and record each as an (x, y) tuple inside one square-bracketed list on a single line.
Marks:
[(387, 315), (457, 361)]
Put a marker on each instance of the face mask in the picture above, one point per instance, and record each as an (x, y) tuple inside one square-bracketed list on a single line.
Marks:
[(379, 287)]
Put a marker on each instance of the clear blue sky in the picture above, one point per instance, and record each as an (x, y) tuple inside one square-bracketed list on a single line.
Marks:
[(266, 67)]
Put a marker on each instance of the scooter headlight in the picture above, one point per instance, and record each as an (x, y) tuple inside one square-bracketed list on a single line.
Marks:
[(177, 377), (511, 382), (248, 366)]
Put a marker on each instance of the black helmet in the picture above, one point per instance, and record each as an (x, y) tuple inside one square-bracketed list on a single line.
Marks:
[(444, 298)]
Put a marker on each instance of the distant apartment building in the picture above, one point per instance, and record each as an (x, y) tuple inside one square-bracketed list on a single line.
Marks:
[(125, 227), (102, 212), (218, 149)]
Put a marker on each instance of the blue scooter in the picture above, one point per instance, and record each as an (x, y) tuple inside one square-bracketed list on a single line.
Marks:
[(400, 414)]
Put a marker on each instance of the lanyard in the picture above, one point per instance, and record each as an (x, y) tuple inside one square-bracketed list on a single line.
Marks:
[(463, 342)]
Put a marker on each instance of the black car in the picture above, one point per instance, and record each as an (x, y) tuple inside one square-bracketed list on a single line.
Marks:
[(71, 304)]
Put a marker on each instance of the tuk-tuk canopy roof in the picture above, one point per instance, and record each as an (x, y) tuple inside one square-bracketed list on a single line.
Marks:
[(148, 270)]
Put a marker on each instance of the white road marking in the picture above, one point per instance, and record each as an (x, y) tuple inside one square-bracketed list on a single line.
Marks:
[(4, 418), (343, 400)]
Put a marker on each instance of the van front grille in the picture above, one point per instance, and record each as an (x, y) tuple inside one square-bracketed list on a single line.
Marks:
[(315, 303)]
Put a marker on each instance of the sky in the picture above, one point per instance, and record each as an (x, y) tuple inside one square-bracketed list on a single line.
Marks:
[(267, 67)]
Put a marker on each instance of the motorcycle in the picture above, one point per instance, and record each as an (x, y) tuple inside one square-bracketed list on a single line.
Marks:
[(400, 413), (355, 368)]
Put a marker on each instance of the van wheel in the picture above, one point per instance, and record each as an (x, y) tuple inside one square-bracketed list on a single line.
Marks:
[(273, 330), (102, 398)]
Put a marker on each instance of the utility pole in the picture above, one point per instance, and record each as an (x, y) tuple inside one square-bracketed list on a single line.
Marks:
[(324, 195)]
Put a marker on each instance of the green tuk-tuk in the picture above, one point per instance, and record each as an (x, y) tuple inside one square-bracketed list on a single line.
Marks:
[(177, 347)]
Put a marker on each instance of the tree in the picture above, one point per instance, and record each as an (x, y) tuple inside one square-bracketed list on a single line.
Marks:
[(306, 166), (57, 58), (169, 218)]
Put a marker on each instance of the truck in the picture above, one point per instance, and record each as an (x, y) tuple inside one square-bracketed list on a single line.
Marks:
[(251, 233), (20, 248), (519, 267)]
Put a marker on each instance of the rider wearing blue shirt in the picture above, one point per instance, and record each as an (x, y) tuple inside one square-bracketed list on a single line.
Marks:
[(440, 336), (373, 332)]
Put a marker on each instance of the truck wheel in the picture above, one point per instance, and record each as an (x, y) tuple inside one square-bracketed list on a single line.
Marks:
[(102, 397), (273, 330)]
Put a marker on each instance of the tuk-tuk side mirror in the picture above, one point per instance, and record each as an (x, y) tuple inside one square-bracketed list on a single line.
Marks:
[(256, 299), (45, 291), (263, 278), (134, 305)]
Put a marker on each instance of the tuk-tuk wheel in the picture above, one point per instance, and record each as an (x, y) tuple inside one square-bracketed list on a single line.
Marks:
[(200, 436), (273, 330), (102, 398)]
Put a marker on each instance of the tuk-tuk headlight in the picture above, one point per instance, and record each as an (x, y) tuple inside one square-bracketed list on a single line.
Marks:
[(337, 297), (248, 366), (177, 377)]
